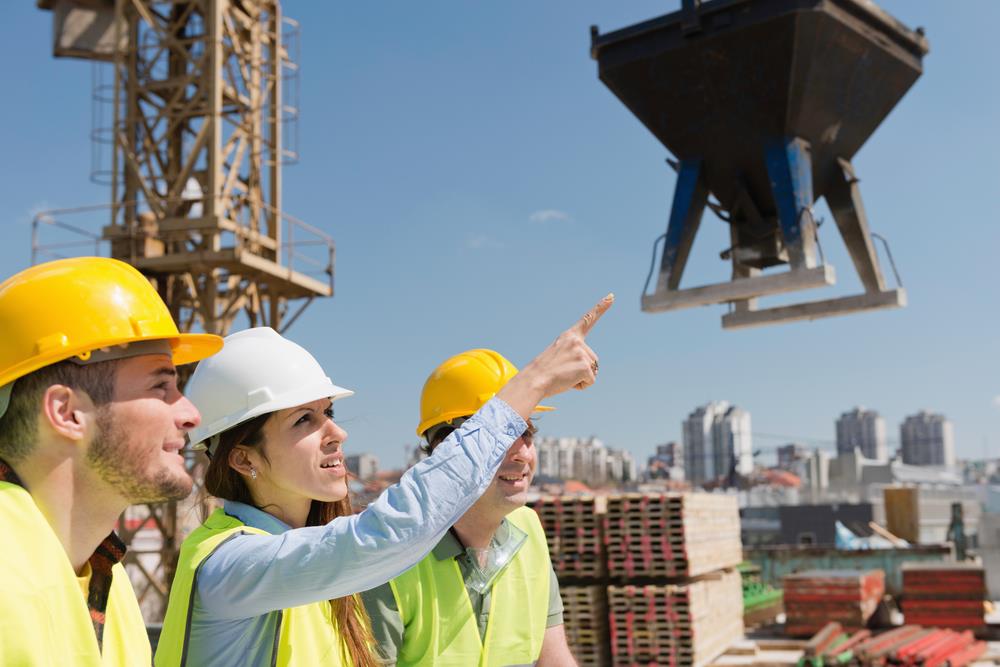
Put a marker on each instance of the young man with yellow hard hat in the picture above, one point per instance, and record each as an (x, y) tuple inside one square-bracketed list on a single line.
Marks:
[(91, 421), (493, 567)]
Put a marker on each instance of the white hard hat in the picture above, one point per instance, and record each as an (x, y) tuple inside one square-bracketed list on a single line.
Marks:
[(257, 372)]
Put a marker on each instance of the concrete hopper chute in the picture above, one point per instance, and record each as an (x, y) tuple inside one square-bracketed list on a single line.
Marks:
[(764, 103)]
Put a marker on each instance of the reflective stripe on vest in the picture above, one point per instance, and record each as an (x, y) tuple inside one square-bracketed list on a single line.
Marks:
[(306, 634), (428, 595), (45, 617)]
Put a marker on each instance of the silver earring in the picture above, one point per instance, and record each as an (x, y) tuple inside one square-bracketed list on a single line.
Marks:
[(253, 473)]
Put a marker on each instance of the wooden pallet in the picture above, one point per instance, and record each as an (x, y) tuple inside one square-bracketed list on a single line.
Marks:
[(585, 613), (573, 530), (671, 535), (685, 625)]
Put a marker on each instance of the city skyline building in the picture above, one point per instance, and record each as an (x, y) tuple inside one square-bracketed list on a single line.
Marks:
[(862, 429), (584, 459), (717, 440), (927, 439), (790, 454)]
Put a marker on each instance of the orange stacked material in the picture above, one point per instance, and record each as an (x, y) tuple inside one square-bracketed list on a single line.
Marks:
[(585, 615), (680, 625), (908, 645), (814, 598), (573, 530), (948, 595), (671, 535)]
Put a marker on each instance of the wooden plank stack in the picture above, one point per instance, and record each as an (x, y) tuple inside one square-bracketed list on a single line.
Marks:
[(676, 599), (573, 530), (817, 597), (681, 625), (683, 547), (947, 595), (671, 535), (585, 615)]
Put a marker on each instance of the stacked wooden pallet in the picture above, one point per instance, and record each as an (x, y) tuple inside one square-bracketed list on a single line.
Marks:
[(671, 535), (573, 527), (573, 530), (948, 595), (682, 625), (684, 547), (817, 597), (585, 614)]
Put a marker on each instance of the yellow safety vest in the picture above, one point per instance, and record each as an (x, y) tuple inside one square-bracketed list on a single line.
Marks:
[(439, 625), (44, 618), (307, 635)]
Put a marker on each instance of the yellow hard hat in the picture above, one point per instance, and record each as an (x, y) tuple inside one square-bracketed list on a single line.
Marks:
[(462, 385), (73, 307)]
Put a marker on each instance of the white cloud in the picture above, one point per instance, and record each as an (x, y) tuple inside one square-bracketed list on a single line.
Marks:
[(549, 215), (996, 401)]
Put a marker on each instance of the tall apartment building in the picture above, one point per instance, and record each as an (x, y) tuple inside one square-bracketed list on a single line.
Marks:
[(584, 459), (927, 440), (862, 429), (716, 439)]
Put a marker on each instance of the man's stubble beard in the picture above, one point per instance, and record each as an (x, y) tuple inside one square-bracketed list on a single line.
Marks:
[(109, 456)]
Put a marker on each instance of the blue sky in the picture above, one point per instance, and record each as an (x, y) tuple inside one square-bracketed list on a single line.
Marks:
[(433, 134)]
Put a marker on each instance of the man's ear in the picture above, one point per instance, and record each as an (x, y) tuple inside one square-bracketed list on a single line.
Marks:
[(67, 411)]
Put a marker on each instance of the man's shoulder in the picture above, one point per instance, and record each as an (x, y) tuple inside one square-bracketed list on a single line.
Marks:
[(527, 519)]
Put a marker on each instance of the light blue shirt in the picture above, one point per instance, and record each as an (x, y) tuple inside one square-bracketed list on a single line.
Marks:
[(242, 587)]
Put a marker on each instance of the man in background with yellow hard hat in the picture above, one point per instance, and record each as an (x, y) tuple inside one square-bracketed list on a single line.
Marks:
[(91, 421), (493, 566)]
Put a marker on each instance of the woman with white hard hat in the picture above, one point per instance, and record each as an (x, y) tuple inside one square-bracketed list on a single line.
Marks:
[(271, 577)]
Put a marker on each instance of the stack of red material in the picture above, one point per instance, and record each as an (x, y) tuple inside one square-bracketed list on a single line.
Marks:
[(948, 595), (573, 530), (681, 625), (907, 645), (816, 597), (672, 535)]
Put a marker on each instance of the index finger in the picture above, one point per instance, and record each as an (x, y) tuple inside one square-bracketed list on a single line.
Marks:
[(587, 322)]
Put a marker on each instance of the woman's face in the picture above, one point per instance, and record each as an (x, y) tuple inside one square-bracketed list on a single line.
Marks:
[(304, 461)]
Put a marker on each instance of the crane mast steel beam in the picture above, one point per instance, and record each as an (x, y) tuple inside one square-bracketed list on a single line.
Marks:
[(196, 161)]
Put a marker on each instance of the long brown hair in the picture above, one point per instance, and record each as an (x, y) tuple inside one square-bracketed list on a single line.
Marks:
[(349, 616)]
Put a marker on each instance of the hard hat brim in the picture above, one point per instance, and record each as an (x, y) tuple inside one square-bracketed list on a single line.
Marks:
[(184, 348), (189, 348), (448, 416), (199, 437)]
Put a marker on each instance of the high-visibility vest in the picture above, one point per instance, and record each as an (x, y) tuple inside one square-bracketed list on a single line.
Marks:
[(435, 634), (44, 619), (306, 636)]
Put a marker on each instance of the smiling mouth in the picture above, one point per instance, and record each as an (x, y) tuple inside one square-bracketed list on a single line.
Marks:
[(331, 465), (513, 478)]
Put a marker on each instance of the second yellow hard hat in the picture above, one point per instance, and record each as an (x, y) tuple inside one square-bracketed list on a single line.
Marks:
[(463, 384)]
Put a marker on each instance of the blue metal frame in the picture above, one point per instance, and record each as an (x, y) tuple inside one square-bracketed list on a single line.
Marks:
[(690, 197), (789, 168)]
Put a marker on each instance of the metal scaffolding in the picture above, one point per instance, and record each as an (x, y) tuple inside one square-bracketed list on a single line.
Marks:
[(197, 136)]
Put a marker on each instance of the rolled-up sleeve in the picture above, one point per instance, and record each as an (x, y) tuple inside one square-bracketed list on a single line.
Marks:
[(253, 574)]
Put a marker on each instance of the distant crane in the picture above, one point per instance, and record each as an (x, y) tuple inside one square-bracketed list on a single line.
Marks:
[(197, 145)]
